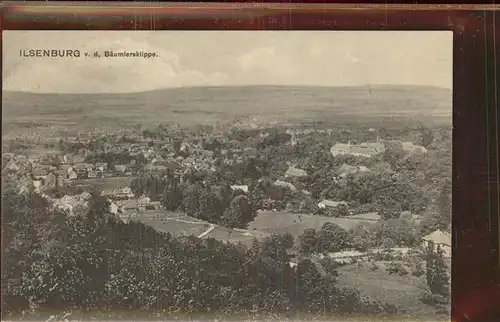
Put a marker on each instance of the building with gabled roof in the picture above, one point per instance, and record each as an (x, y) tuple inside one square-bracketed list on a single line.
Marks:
[(441, 239)]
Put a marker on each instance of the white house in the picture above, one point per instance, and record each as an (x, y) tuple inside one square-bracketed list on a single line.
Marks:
[(362, 150), (331, 204), (285, 184), (244, 188), (295, 172)]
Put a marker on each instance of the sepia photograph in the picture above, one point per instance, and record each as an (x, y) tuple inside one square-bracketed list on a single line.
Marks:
[(226, 175)]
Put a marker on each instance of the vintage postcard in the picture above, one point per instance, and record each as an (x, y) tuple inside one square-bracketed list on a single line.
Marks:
[(226, 175)]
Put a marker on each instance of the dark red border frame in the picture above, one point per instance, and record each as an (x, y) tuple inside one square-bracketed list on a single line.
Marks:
[(476, 260)]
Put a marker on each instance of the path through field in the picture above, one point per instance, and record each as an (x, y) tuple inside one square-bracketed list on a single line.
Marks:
[(212, 227)]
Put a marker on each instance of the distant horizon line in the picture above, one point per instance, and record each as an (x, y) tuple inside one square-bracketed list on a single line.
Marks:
[(228, 86)]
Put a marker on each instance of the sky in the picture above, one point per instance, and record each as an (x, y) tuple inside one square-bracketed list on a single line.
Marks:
[(225, 58)]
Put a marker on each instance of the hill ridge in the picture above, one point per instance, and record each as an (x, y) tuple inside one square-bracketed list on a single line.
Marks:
[(305, 87), (211, 105)]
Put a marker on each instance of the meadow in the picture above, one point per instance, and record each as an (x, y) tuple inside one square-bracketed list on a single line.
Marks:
[(265, 224), (402, 291), (295, 224), (178, 226)]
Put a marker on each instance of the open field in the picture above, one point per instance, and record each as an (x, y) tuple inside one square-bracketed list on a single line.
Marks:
[(295, 224), (402, 291), (236, 235), (370, 216), (179, 227), (179, 224), (207, 105)]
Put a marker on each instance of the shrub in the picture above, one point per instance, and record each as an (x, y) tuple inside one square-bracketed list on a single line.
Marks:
[(429, 298), (397, 268), (383, 257), (417, 269)]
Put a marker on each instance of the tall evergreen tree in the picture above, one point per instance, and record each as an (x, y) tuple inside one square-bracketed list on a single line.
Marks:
[(437, 271)]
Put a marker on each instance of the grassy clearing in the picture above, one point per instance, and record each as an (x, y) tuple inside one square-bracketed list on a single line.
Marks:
[(190, 226), (295, 224), (402, 291), (373, 216), (235, 236)]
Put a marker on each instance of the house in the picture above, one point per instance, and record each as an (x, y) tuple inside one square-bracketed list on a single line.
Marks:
[(244, 188), (66, 203), (331, 204), (410, 147), (127, 206), (37, 184), (85, 196), (74, 158), (362, 150), (93, 174), (40, 173), (171, 164), (185, 147), (79, 167), (25, 185), (64, 167), (155, 168), (295, 172), (285, 184), (101, 166), (125, 193), (293, 140), (88, 166), (346, 256), (143, 202), (113, 207), (155, 205), (73, 204), (72, 175), (61, 173), (441, 239), (51, 180)]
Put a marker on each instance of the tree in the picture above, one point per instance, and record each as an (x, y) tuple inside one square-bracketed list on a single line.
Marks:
[(389, 213), (426, 137), (177, 146), (276, 246), (361, 237), (172, 197), (308, 281), (444, 205), (257, 195), (394, 232), (190, 200), (239, 213), (210, 207), (332, 238), (308, 241), (340, 211), (437, 271)]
